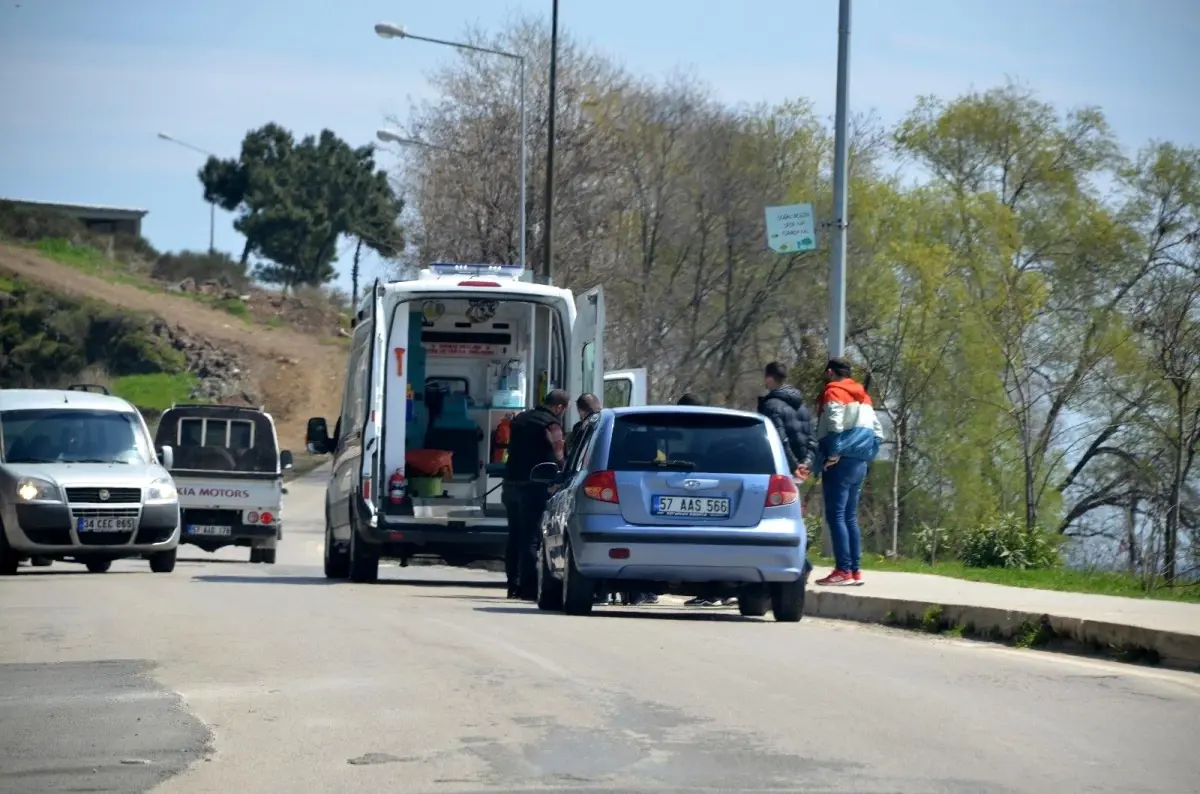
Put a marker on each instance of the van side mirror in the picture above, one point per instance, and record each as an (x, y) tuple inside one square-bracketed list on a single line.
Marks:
[(544, 474), (317, 436), (285, 459), (166, 456)]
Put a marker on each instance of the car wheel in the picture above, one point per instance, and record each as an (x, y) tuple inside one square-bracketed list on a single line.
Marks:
[(754, 604), (549, 589), (787, 601), (364, 559), (255, 554), (10, 561), (267, 557), (337, 559), (579, 592), (98, 566), (163, 561)]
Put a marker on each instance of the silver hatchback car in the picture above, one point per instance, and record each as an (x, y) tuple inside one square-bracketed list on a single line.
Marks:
[(674, 499), (80, 481)]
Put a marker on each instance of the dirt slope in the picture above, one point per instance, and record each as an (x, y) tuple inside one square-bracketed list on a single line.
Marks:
[(297, 376)]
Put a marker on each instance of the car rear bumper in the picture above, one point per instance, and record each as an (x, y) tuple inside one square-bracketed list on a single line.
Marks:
[(691, 555), (49, 530)]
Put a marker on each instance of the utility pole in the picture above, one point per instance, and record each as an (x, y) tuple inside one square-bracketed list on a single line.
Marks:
[(548, 252), (841, 204)]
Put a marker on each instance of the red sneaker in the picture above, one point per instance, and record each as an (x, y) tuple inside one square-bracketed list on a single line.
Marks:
[(856, 577), (837, 578)]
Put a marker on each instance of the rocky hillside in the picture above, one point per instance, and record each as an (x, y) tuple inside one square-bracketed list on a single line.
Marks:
[(185, 341)]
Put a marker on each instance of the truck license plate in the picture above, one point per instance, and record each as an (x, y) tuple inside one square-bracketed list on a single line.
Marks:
[(208, 529)]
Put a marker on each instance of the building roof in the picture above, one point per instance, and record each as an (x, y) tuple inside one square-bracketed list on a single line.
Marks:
[(94, 211)]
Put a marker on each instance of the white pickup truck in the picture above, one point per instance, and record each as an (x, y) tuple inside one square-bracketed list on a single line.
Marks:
[(229, 475)]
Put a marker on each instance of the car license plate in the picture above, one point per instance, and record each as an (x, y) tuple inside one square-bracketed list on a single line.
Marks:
[(690, 506), (208, 529), (106, 525)]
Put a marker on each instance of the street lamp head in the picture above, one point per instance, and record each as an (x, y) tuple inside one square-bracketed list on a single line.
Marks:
[(387, 30)]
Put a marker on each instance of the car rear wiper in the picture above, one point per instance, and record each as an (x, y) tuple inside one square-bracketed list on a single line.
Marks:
[(678, 465)]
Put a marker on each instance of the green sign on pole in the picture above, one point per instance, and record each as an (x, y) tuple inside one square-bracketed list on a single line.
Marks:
[(791, 229)]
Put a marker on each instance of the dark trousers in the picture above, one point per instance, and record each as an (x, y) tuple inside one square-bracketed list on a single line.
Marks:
[(524, 504)]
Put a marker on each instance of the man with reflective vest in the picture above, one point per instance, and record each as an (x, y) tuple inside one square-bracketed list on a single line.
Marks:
[(536, 437)]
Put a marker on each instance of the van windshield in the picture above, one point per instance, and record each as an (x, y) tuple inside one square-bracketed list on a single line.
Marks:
[(55, 435), (713, 443)]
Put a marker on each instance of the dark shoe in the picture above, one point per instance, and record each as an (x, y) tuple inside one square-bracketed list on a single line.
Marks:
[(699, 601), (513, 593)]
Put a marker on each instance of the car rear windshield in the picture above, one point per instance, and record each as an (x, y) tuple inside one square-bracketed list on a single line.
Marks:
[(714, 443)]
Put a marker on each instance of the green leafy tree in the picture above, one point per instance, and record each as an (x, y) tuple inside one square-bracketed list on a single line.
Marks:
[(296, 199)]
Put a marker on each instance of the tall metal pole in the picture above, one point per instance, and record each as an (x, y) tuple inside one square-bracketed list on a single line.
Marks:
[(841, 207), (212, 226), (547, 263), (524, 167)]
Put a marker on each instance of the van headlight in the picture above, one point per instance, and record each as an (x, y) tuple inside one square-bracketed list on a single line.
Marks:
[(162, 491), (32, 489)]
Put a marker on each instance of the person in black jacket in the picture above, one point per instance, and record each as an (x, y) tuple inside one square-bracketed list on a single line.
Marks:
[(784, 406), (537, 437)]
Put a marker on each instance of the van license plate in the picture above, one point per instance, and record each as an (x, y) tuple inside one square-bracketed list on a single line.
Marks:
[(689, 507), (208, 529), (105, 525)]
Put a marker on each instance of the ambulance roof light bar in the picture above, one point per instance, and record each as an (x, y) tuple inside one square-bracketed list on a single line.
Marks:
[(458, 269)]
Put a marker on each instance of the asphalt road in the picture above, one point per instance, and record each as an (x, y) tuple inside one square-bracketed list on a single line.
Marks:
[(228, 677)]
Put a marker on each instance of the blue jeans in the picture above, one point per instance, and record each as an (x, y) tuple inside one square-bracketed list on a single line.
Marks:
[(841, 486)]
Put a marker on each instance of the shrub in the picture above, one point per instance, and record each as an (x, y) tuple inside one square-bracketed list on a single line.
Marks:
[(201, 267), (1005, 542)]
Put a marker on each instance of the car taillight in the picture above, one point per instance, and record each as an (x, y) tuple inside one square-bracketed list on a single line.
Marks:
[(266, 518), (602, 486), (781, 491)]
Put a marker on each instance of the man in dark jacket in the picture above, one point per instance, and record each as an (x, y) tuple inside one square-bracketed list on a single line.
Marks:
[(784, 406), (536, 437)]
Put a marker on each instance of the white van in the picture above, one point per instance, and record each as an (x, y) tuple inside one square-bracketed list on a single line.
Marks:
[(439, 364)]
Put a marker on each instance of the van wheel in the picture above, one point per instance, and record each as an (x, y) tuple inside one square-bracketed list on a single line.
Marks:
[(41, 562), (98, 566), (9, 559), (787, 601), (163, 561), (337, 558), (549, 589), (364, 559), (755, 603), (579, 592)]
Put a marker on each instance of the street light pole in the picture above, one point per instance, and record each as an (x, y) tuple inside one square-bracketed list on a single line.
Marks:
[(548, 253), (841, 204), (212, 205), (388, 30)]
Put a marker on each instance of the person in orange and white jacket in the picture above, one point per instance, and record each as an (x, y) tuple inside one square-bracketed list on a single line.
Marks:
[(848, 439)]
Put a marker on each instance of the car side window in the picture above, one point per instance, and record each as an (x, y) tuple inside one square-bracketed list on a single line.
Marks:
[(573, 463), (354, 401)]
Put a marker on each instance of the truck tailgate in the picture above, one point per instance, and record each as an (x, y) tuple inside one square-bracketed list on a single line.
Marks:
[(230, 494)]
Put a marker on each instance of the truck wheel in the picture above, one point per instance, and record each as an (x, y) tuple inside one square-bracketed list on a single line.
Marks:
[(579, 592), (337, 559), (549, 589), (9, 559), (787, 601), (267, 557), (98, 566), (163, 561), (364, 559), (255, 554)]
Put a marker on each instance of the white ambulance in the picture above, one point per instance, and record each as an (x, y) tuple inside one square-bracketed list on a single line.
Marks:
[(438, 365)]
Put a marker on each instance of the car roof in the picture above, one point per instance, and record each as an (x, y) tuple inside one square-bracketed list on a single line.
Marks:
[(26, 399), (683, 409)]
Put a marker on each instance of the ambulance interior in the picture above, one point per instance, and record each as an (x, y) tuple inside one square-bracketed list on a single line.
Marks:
[(477, 364)]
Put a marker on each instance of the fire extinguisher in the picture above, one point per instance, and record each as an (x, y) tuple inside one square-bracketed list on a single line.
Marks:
[(500, 439), (396, 487)]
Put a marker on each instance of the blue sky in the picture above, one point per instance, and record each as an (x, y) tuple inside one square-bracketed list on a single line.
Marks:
[(87, 84)]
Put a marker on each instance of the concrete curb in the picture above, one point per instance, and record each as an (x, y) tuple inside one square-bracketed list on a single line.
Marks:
[(1027, 629)]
